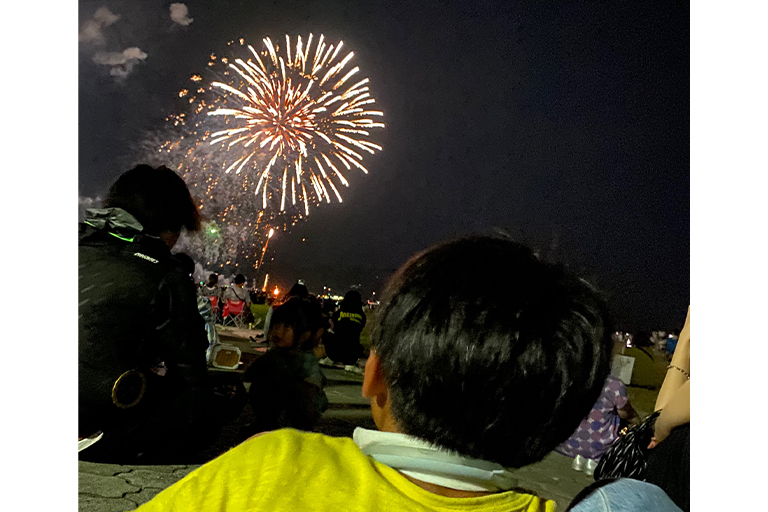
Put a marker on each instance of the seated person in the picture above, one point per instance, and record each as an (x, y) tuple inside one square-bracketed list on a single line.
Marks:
[(622, 495), (648, 369), (141, 367), (344, 344), (600, 428), (211, 288), (671, 343), (204, 306), (286, 382), (484, 358), (237, 291), (297, 290)]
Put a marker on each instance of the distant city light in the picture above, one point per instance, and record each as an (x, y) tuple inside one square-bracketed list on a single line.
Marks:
[(276, 292)]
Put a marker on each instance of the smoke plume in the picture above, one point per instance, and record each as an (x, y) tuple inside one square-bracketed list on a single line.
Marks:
[(180, 14), (121, 63), (91, 31)]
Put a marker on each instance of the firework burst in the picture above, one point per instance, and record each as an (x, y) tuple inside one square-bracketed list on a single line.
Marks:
[(294, 123), (268, 134)]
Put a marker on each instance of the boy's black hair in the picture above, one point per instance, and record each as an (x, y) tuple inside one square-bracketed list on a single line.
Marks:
[(213, 279), (239, 279), (490, 352), (300, 315), (157, 197)]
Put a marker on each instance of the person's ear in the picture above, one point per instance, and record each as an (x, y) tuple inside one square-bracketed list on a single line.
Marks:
[(373, 379)]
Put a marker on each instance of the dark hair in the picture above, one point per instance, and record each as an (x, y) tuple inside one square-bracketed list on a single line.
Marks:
[(298, 290), (213, 279), (158, 198), (312, 299), (239, 279), (352, 302), (299, 314), (642, 339), (490, 352), (186, 263)]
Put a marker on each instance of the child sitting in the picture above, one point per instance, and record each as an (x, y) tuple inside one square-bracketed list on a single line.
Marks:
[(286, 382), (484, 358), (600, 428)]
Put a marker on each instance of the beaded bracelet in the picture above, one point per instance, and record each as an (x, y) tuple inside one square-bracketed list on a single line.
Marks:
[(687, 375)]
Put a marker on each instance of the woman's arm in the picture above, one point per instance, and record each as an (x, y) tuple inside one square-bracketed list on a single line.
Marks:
[(681, 360), (676, 412)]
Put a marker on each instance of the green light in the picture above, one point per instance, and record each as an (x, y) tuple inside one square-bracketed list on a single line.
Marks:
[(213, 231)]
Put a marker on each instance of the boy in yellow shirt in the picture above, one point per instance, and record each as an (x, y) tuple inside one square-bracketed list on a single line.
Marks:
[(484, 359)]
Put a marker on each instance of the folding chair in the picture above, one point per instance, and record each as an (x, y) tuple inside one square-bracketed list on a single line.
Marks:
[(214, 305), (234, 313)]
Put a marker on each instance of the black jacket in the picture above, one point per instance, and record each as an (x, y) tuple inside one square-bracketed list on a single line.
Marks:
[(137, 308), (349, 321)]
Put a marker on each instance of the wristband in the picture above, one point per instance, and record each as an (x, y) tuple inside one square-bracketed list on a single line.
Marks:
[(687, 375)]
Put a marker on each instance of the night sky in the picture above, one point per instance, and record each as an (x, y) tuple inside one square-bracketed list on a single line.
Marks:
[(563, 124)]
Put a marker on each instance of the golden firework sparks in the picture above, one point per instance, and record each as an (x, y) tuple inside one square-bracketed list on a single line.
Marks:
[(299, 109)]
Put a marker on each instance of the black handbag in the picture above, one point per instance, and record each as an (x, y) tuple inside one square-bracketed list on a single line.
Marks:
[(627, 457)]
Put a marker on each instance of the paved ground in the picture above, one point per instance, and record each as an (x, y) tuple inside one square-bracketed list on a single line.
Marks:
[(109, 487)]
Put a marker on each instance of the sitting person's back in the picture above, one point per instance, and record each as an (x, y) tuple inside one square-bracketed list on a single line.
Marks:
[(344, 344), (237, 292), (600, 428), (142, 341), (211, 288), (471, 373)]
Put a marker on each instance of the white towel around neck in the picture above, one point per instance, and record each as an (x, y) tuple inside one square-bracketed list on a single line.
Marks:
[(428, 463)]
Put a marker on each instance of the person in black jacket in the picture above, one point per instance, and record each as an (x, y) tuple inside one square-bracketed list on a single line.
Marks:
[(348, 323), (142, 369)]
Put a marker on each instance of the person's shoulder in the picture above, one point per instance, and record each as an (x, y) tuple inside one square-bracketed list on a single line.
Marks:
[(137, 259), (293, 437), (271, 471), (288, 449), (626, 495)]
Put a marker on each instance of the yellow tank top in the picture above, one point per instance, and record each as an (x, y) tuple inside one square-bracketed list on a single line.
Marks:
[(288, 470)]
